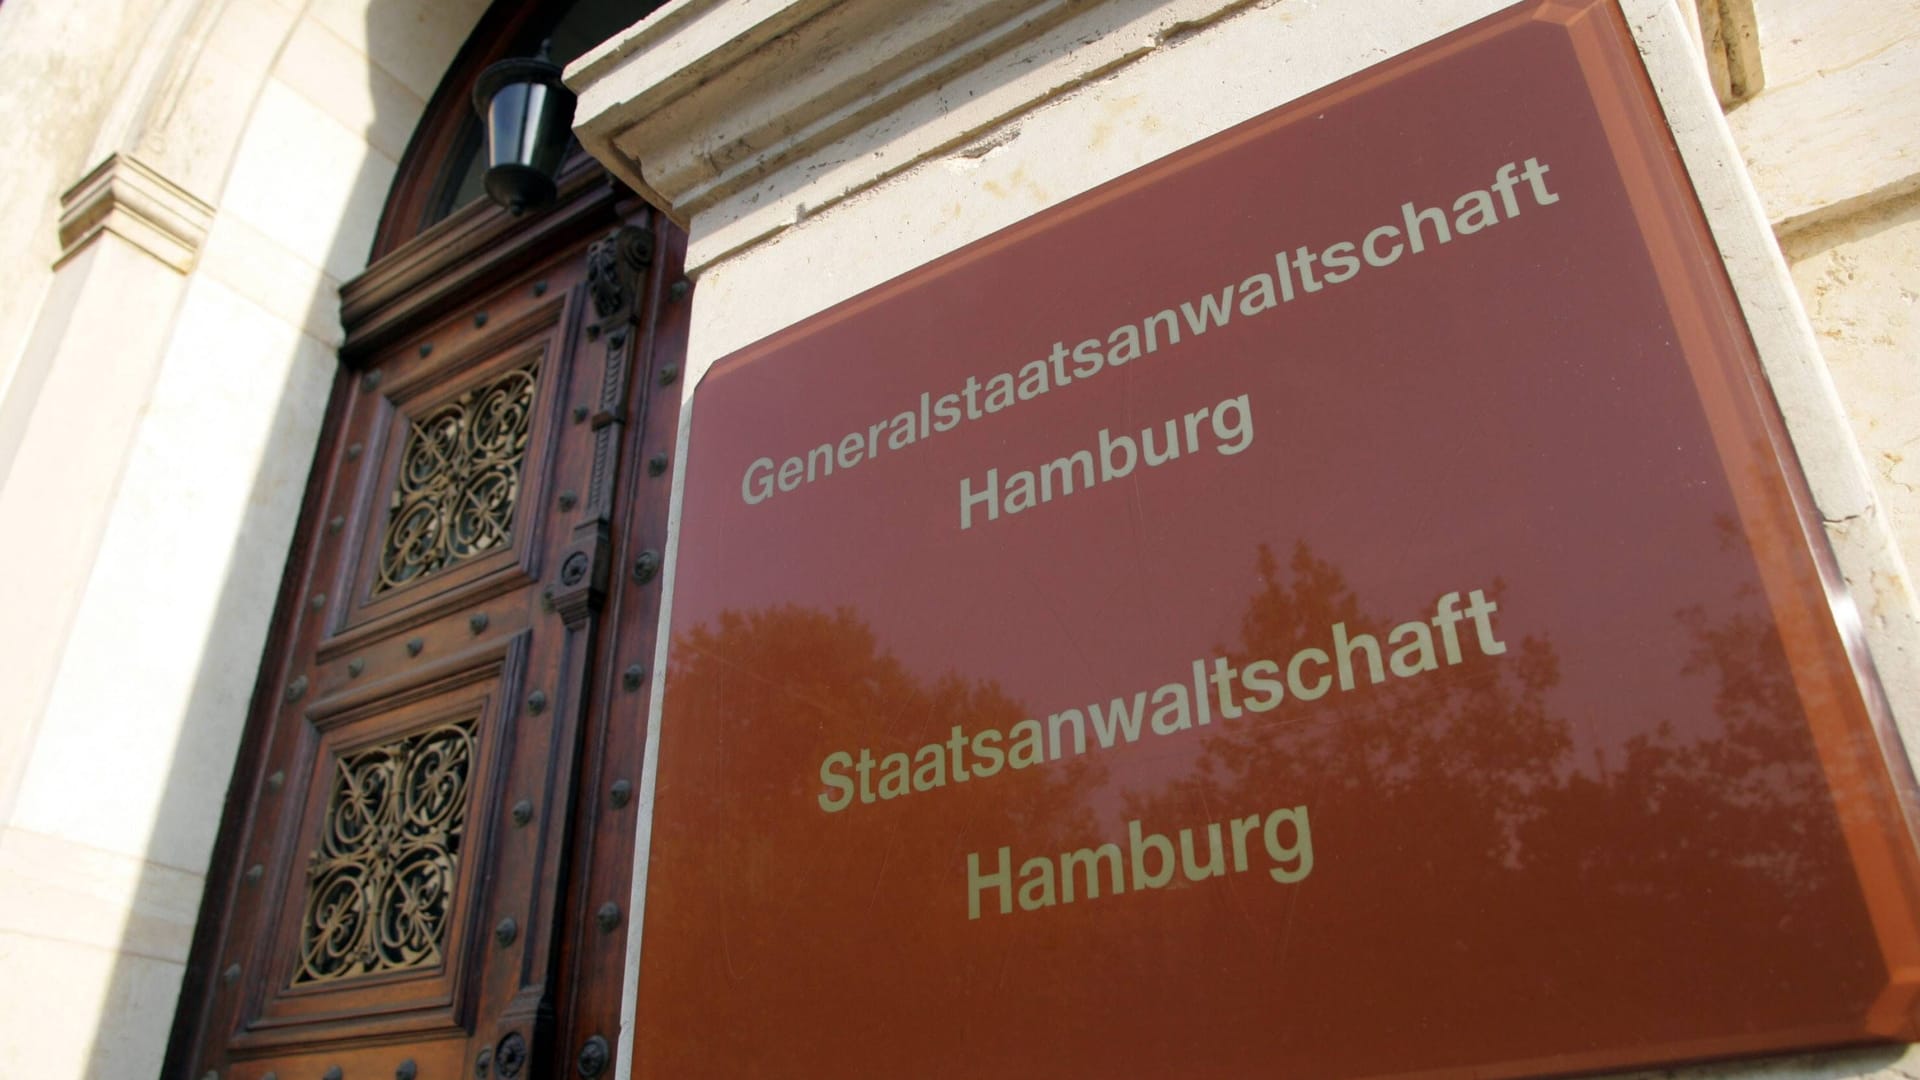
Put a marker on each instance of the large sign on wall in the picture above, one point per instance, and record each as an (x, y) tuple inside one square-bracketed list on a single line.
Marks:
[(1335, 602)]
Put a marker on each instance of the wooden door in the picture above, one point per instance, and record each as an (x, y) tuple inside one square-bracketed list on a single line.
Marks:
[(426, 856)]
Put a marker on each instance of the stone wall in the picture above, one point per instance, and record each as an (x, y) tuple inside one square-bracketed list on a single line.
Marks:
[(223, 164), (167, 333)]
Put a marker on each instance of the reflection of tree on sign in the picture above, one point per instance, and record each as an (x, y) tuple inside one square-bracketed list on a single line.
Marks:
[(755, 865), (797, 674), (1484, 864), (1737, 805), (1419, 791), (1470, 861), (1477, 740)]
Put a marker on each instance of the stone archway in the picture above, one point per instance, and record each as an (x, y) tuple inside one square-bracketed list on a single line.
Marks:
[(157, 431)]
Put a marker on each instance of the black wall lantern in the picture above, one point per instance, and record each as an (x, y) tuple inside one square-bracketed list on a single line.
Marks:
[(528, 113)]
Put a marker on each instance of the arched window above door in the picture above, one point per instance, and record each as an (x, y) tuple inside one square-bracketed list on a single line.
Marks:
[(444, 163)]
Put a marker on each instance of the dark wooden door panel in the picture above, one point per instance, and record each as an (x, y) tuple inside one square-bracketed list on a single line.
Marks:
[(461, 436), (374, 902)]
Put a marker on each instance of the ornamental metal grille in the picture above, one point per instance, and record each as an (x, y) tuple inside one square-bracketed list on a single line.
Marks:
[(459, 480), (380, 883)]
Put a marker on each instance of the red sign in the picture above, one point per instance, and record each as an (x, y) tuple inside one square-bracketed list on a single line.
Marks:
[(1335, 602)]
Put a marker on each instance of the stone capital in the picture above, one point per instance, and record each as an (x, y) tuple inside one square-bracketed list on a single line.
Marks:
[(125, 197)]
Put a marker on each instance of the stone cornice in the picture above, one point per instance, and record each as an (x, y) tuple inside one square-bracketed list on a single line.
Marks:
[(743, 120), (707, 98), (137, 204), (711, 100)]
